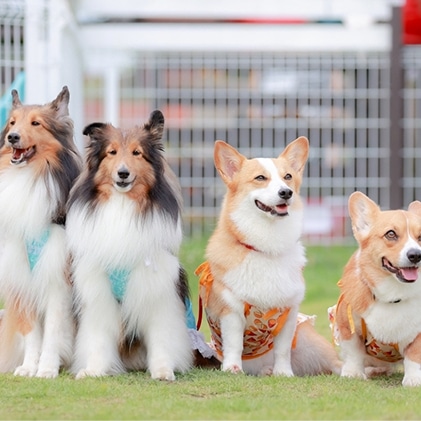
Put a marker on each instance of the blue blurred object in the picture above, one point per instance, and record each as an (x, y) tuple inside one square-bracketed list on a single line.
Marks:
[(6, 99)]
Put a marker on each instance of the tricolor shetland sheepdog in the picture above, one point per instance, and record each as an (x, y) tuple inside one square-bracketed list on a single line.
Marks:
[(124, 232), (38, 164), (377, 320), (252, 283)]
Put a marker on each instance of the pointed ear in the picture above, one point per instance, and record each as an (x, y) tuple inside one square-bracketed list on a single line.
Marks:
[(415, 207), (227, 160), (156, 124), (296, 153), (363, 212), (61, 104), (15, 99), (94, 130)]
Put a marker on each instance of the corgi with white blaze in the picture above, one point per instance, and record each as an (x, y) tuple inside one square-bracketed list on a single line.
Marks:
[(252, 285), (377, 320)]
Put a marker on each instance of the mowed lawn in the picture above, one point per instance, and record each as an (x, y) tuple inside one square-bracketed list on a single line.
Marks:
[(203, 394)]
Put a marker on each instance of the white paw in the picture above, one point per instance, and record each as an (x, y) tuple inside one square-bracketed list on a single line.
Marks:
[(411, 380), (283, 372), (25, 371), (232, 368), (89, 373), (47, 373), (353, 372), (163, 373)]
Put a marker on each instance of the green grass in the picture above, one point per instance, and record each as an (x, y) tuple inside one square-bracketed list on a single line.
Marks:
[(202, 394)]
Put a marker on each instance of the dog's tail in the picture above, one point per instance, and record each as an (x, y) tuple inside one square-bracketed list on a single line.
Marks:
[(11, 341), (313, 353)]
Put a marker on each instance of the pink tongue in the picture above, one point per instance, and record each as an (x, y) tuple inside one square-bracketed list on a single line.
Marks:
[(410, 274), (17, 153)]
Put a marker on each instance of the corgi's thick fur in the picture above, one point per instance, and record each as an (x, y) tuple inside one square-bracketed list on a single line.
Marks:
[(124, 233), (38, 164), (254, 268), (378, 313)]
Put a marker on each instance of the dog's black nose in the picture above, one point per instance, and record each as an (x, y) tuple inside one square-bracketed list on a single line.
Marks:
[(13, 138), (123, 173), (414, 255), (285, 194)]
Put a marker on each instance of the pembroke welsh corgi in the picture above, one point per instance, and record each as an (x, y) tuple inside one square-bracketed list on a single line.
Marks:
[(251, 284), (377, 320)]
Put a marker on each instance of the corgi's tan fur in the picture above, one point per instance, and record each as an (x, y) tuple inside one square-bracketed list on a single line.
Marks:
[(381, 291), (255, 257)]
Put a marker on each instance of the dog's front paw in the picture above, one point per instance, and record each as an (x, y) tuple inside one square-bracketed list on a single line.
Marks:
[(232, 368), (411, 380), (348, 371), (25, 371), (47, 373), (283, 372), (89, 373), (163, 373)]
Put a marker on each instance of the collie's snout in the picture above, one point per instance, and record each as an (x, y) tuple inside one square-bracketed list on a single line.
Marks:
[(123, 182)]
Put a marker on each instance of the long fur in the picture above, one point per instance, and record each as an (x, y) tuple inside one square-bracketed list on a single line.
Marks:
[(38, 164), (124, 214), (381, 285), (256, 257)]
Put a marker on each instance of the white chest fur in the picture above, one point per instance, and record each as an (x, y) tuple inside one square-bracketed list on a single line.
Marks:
[(269, 281)]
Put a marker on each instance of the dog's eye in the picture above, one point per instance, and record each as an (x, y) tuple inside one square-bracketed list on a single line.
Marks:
[(136, 152), (260, 178), (287, 176), (391, 235), (12, 122), (35, 123), (112, 152)]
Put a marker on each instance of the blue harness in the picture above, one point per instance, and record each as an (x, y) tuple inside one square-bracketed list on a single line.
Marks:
[(35, 247)]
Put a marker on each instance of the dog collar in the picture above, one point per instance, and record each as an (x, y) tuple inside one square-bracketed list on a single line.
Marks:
[(248, 246)]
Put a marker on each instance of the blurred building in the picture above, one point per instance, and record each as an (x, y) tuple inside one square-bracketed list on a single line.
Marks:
[(256, 74)]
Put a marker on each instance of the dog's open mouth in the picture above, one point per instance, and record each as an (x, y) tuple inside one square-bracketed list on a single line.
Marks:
[(277, 210), (408, 274), (20, 156)]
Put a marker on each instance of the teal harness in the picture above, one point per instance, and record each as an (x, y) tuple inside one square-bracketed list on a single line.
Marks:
[(34, 248)]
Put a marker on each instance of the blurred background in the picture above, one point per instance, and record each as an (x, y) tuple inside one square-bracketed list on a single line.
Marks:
[(257, 74)]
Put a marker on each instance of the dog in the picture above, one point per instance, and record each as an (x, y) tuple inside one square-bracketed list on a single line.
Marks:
[(251, 285), (377, 320), (38, 164), (124, 233)]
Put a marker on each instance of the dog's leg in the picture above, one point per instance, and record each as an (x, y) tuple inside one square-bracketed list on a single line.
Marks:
[(96, 350), (232, 332), (32, 349), (282, 346), (165, 331), (58, 333), (412, 364), (353, 354)]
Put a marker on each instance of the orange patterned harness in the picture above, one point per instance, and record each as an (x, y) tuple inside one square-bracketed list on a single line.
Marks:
[(380, 350), (261, 326)]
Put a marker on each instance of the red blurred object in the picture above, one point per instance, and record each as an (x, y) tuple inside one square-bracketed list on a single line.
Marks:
[(412, 22)]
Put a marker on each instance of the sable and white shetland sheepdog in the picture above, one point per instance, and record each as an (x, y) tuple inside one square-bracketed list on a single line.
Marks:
[(124, 232), (377, 320), (251, 285), (38, 164)]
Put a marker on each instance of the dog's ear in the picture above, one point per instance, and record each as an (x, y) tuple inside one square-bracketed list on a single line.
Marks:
[(227, 160), (15, 99), (363, 212), (155, 125), (415, 207), (94, 130), (297, 153), (61, 104)]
